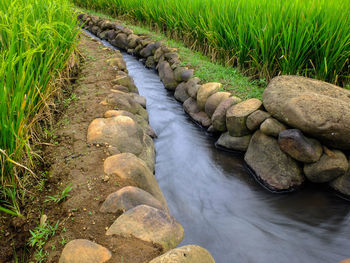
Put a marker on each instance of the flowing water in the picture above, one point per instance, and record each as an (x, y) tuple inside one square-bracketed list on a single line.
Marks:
[(219, 204)]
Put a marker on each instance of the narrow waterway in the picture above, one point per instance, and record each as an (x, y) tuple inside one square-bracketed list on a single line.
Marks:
[(220, 205)]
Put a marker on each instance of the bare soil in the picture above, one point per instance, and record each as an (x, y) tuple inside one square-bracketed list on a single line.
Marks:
[(70, 160)]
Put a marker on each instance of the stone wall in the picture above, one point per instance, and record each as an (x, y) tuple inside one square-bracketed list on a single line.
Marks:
[(299, 131)]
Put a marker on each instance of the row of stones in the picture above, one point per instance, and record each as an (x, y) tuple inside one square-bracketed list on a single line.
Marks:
[(279, 155), (125, 131)]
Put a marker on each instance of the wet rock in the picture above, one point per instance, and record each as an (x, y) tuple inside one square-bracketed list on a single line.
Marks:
[(84, 251), (255, 119), (345, 261), (111, 34), (140, 100), (183, 74), (158, 54), (205, 91), (329, 167), (219, 116), (166, 74), (181, 92), (148, 50), (272, 127), (125, 101), (137, 118), (190, 106), (107, 25), (298, 146), (202, 118), (236, 116), (276, 169), (312, 106), (120, 88), (117, 62), (342, 184), (234, 143), (185, 254), (127, 198), (120, 41), (214, 101), (128, 166), (126, 81), (103, 35), (193, 87), (132, 41), (149, 224), (150, 62), (95, 30)]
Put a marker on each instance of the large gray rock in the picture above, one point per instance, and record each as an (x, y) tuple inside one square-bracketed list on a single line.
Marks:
[(128, 166), (255, 119), (84, 251), (298, 146), (185, 254), (192, 109), (181, 92), (276, 169), (331, 165), (205, 91), (214, 101), (315, 107), (342, 184), (236, 117), (120, 41), (234, 143), (272, 127), (219, 116), (127, 198), (166, 74), (149, 224)]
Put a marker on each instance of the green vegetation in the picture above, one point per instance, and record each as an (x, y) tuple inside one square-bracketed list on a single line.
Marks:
[(264, 38), (37, 41), (60, 197)]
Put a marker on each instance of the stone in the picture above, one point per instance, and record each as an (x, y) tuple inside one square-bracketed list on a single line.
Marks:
[(234, 143), (132, 41), (111, 34), (84, 251), (342, 184), (137, 118), (193, 87), (124, 101), (328, 168), (272, 127), (312, 106), (158, 54), (190, 106), (345, 261), (120, 88), (301, 148), (185, 254), (140, 100), (126, 81), (274, 168), (183, 74), (202, 118), (205, 91), (150, 62), (149, 224), (128, 166), (166, 74), (219, 116), (107, 25), (120, 41), (148, 50), (181, 92), (255, 119), (214, 101), (123, 133), (128, 198), (236, 116), (117, 62)]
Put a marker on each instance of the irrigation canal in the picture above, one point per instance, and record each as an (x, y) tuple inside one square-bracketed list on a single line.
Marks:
[(220, 205)]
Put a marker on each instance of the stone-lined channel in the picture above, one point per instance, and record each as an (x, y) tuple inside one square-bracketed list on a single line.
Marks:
[(219, 204)]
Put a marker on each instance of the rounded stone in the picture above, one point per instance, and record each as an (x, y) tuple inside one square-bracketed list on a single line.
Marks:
[(234, 143), (214, 101), (272, 127), (205, 91), (219, 116), (255, 119)]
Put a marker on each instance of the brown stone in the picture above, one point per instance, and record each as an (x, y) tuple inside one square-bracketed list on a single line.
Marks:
[(236, 116), (84, 251), (126, 81), (219, 116), (272, 127), (214, 101), (205, 91), (342, 184), (120, 41), (234, 143), (255, 119), (166, 74), (181, 92), (193, 87), (117, 62)]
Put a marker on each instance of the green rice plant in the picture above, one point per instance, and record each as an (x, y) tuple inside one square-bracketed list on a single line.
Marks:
[(264, 38), (37, 40)]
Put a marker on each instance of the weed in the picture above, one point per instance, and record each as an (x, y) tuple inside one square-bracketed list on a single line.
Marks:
[(60, 197)]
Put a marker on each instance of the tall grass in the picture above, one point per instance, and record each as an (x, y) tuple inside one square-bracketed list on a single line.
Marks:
[(37, 39), (264, 37)]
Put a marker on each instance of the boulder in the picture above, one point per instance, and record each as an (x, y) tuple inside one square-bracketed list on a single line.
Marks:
[(255, 119), (124, 101), (150, 62), (126, 81), (312, 106), (120, 88), (331, 165), (111, 34), (140, 100), (236, 116), (148, 50), (158, 54), (219, 116), (202, 118), (181, 92), (193, 87), (117, 62), (183, 74), (274, 168), (298, 146), (128, 166), (84, 251), (214, 101), (166, 74), (120, 41), (234, 143), (185, 254), (149, 224), (205, 91), (342, 184), (127, 198), (190, 106), (272, 127), (132, 41)]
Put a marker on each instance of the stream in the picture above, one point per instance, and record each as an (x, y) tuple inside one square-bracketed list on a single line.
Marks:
[(219, 204)]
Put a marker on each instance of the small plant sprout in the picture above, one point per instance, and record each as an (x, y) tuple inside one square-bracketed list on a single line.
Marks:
[(60, 197)]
